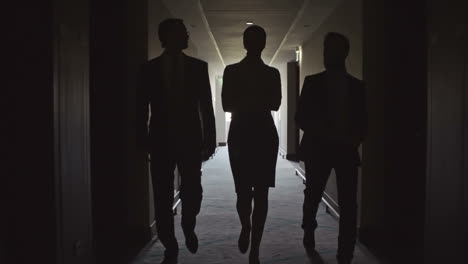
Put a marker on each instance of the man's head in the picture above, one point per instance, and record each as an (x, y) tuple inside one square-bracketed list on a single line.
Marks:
[(254, 39), (335, 50), (173, 34)]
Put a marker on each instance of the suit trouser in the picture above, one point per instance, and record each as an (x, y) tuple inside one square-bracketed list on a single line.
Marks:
[(162, 172), (317, 173)]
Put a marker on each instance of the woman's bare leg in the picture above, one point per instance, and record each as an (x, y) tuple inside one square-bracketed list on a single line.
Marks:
[(244, 210), (260, 211)]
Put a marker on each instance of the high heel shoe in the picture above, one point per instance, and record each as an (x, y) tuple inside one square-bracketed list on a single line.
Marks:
[(244, 240)]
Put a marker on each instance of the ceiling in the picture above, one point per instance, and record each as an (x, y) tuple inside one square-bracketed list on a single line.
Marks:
[(227, 20), (216, 26)]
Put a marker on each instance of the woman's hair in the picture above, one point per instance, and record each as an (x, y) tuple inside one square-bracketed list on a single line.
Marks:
[(254, 38)]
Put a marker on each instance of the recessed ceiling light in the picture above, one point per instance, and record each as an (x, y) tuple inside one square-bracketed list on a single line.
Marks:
[(249, 23)]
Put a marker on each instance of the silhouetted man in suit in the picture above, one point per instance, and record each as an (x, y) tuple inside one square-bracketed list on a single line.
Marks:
[(181, 132), (332, 114)]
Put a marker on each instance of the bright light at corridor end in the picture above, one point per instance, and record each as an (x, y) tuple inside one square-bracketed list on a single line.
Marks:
[(249, 23)]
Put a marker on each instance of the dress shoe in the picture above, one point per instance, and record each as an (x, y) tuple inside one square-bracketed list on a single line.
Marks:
[(169, 259), (309, 240), (191, 241), (244, 240), (312, 253)]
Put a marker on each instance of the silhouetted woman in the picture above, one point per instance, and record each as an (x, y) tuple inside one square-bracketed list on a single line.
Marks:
[(251, 90)]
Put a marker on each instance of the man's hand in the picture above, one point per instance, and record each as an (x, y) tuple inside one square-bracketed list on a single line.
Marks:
[(208, 150)]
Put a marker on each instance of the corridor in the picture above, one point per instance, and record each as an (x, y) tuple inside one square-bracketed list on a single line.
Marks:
[(76, 186), (218, 225)]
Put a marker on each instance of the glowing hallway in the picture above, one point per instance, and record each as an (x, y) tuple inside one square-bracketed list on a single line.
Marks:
[(218, 225)]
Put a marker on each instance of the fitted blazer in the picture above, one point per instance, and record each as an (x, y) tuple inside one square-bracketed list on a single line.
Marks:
[(313, 116), (251, 86), (194, 115)]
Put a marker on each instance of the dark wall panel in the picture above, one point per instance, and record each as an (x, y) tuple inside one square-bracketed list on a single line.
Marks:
[(293, 95), (30, 216), (447, 107), (48, 194), (71, 118), (394, 155), (119, 174)]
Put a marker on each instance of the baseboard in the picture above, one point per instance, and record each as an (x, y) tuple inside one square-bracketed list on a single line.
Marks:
[(282, 153), (332, 205), (153, 230), (301, 174), (176, 201), (289, 156)]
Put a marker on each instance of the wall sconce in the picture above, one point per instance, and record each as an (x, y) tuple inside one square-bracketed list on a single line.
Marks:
[(298, 53)]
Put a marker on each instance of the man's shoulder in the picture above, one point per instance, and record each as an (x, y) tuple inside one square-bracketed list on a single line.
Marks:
[(315, 77), (152, 62), (233, 66), (355, 81), (272, 70), (194, 60), (352, 78)]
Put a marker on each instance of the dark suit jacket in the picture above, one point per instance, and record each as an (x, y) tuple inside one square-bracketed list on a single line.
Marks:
[(196, 123), (313, 118)]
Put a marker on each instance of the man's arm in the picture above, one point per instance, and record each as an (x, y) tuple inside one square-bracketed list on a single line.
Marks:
[(228, 94), (207, 115)]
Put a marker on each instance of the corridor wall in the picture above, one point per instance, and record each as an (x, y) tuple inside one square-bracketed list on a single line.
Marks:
[(30, 185), (446, 232), (394, 154), (119, 169), (49, 202)]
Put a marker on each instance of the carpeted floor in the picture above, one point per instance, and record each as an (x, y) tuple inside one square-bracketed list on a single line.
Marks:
[(218, 226)]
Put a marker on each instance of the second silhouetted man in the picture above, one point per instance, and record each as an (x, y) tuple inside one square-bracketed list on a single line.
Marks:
[(332, 114)]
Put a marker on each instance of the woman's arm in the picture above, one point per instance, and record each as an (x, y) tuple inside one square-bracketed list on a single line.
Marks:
[(228, 94)]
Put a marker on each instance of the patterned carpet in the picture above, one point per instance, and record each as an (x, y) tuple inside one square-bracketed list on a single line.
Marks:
[(218, 226)]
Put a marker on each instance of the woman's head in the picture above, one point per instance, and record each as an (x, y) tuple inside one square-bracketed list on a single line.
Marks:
[(254, 39)]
